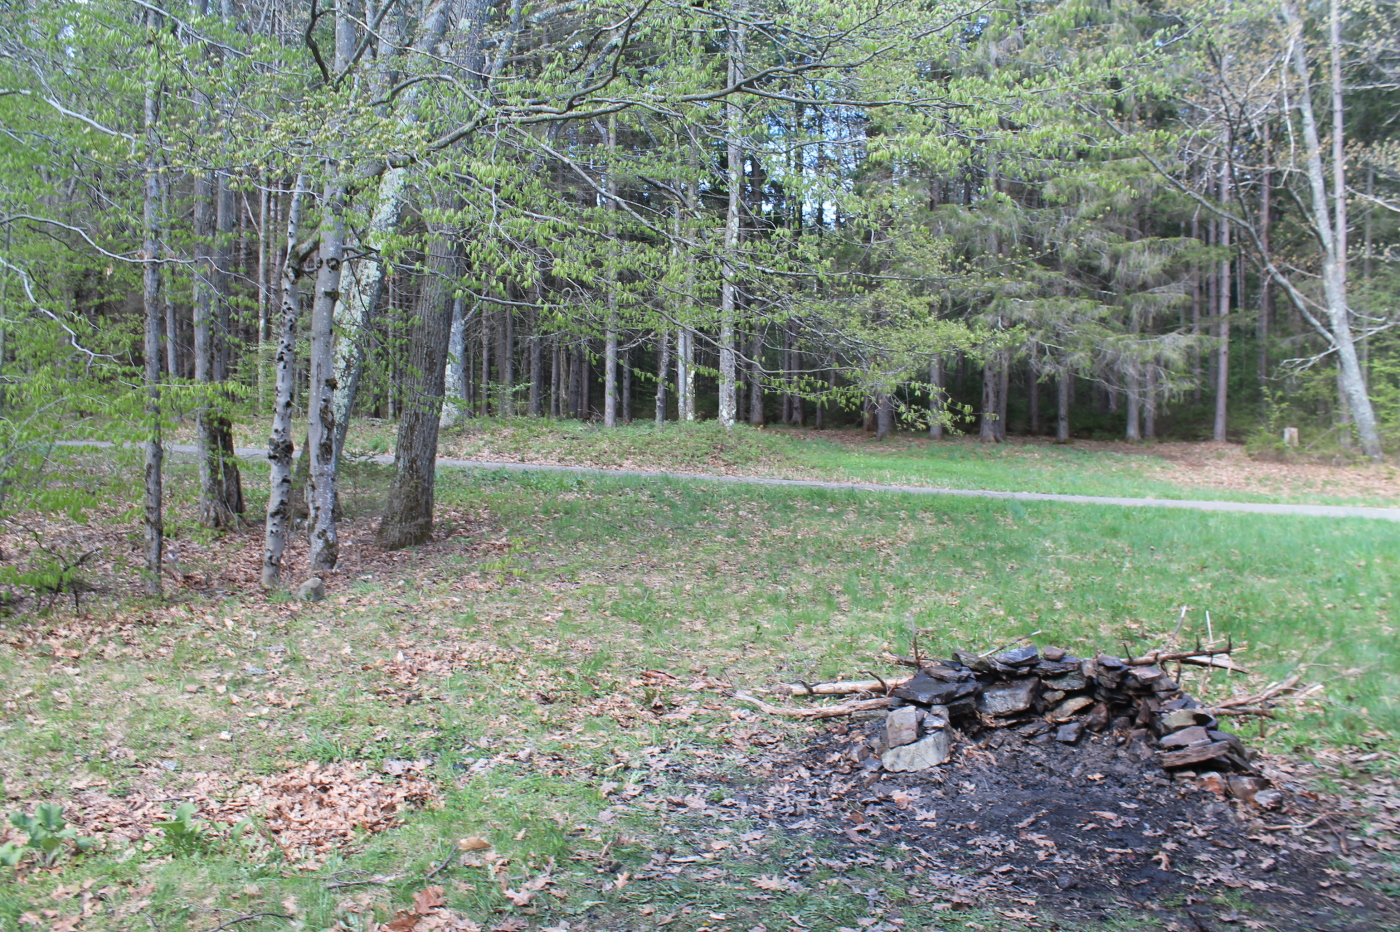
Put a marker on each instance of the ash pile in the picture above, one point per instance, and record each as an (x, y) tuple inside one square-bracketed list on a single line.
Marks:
[(1029, 695)]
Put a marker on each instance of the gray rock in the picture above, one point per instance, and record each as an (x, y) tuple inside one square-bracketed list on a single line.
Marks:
[(1068, 734), (1268, 799), (921, 755), (936, 717), (928, 690), (902, 726), (1185, 718), (313, 590), (1185, 738), (1018, 657), (1071, 707), (1009, 699), (1069, 682)]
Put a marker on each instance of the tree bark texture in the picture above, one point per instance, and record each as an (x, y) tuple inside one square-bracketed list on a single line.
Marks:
[(279, 444), (408, 516)]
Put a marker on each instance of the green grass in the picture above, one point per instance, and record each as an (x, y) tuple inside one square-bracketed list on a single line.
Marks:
[(606, 578), (959, 463)]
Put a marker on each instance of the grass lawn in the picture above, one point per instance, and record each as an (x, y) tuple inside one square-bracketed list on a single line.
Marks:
[(1192, 471), (550, 675)]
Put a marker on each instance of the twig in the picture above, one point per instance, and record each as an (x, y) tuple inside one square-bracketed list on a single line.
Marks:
[(997, 650), (249, 918), (841, 687), (456, 855), (831, 711)]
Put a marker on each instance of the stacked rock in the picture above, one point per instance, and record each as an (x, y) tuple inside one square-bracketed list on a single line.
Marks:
[(1049, 696)]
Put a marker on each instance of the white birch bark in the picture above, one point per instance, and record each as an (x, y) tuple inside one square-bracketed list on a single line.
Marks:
[(728, 362), (279, 444), (1329, 219)]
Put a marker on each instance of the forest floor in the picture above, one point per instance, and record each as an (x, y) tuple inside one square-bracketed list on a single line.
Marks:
[(549, 686), (1218, 471)]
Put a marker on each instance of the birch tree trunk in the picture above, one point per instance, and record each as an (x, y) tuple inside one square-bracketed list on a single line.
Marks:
[(729, 268), (1330, 221), (279, 444), (663, 366), (453, 385), (320, 397)]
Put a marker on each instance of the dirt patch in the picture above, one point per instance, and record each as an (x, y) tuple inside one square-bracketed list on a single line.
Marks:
[(1228, 466), (1033, 829)]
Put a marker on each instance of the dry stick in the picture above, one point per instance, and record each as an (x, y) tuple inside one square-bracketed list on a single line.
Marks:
[(997, 650), (840, 687), (441, 867), (249, 918), (834, 711)]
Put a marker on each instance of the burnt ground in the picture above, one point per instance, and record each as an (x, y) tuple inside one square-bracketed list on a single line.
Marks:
[(1079, 835)]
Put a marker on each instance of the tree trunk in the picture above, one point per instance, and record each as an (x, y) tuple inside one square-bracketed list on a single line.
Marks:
[(1222, 352), (685, 374), (279, 444), (663, 367), (486, 317), (1033, 393), (154, 523), (884, 415), (408, 515), (756, 379), (729, 269), (1330, 222), (1149, 407), (320, 397), (1003, 391), (536, 353), (991, 404), (505, 362), (453, 386), (1062, 386)]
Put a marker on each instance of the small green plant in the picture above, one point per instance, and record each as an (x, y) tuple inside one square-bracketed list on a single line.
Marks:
[(47, 833), (184, 832)]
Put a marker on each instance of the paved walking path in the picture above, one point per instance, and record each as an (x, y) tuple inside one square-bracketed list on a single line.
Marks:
[(1261, 508)]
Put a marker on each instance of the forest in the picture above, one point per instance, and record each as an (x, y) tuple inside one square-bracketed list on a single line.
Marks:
[(1079, 218)]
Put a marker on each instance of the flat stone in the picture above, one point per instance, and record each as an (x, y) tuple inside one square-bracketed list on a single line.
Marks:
[(1268, 799), (1070, 707), (1068, 734), (921, 755), (1018, 657), (1053, 653), (1048, 668), (1231, 739), (972, 661), (1185, 738), (929, 690), (936, 716), (902, 726), (1009, 699), (1194, 755), (312, 590), (1185, 718), (1069, 682)]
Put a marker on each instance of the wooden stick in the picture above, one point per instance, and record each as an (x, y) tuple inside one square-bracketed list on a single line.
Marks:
[(840, 687), (814, 712)]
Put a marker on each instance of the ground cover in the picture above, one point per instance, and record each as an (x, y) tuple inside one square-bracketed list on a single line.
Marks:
[(548, 682), (1156, 470)]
